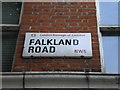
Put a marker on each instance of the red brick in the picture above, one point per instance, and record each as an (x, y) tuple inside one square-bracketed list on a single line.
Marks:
[(46, 3), (60, 17), (49, 21), (38, 65), (59, 31), (74, 17), (26, 31), (17, 70), (87, 10), (57, 65), (41, 69), (73, 69), (75, 6), (52, 17), (45, 6), (58, 61), (59, 3), (60, 20), (43, 31), (46, 13), (42, 28), (85, 28), (74, 28), (31, 24), (26, 20), (95, 39), (59, 7), (42, 61), (95, 43), (19, 50), (83, 66), (93, 28), (27, 13), (87, 3), (59, 24), (73, 10), (37, 69), (45, 17), (93, 66), (73, 31), (95, 61), (84, 20), (24, 27), (73, 24), (74, 20), (92, 20), (89, 32), (88, 17), (45, 24), (72, 13), (74, 3), (84, 6), (39, 3), (60, 10), (22, 65), (29, 9), (92, 13), (74, 65), (19, 61), (28, 6), (87, 24), (74, 61), (31, 16), (91, 6)]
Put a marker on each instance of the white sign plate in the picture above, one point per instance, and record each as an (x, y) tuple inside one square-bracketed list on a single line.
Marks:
[(57, 45)]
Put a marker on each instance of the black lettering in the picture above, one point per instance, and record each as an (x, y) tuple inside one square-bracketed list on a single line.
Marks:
[(45, 50), (37, 42), (31, 41), (52, 49), (49, 41), (68, 42), (75, 42), (55, 43), (61, 42), (31, 49), (37, 49), (43, 42)]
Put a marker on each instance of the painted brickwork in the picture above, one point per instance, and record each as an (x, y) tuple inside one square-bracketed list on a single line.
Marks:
[(58, 17)]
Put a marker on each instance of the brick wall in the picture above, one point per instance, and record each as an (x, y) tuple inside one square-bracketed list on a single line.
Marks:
[(58, 17)]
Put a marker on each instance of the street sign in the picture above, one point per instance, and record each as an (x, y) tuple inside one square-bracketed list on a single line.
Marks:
[(57, 45)]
